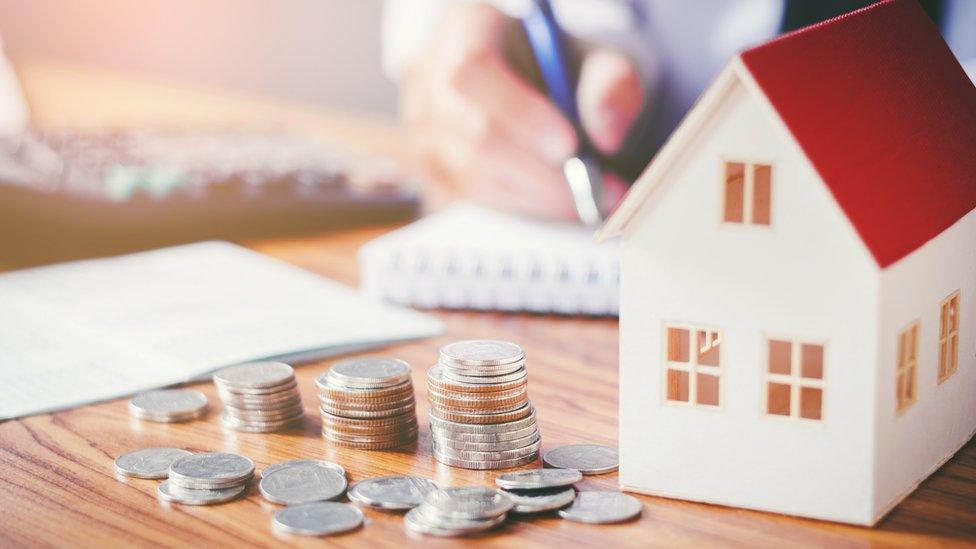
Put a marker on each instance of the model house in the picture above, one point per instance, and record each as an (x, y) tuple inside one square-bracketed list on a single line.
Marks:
[(798, 277)]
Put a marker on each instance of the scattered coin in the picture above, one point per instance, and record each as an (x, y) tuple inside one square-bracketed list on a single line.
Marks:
[(540, 501), (589, 459), (368, 404), (150, 463), (259, 397), (210, 470), (322, 463), (480, 414), (168, 405), (468, 502), (602, 508), (168, 491), (425, 520), (301, 484), (391, 493), (318, 518), (535, 479)]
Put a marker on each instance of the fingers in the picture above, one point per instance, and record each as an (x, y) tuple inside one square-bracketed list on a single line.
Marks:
[(610, 97), (518, 110)]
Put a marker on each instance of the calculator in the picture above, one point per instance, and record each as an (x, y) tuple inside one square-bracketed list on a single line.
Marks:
[(72, 193)]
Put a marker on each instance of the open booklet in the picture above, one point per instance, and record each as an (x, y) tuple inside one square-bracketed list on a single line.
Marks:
[(92, 330)]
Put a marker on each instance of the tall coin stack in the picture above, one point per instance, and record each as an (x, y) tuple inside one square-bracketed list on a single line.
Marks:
[(368, 404), (480, 413), (259, 397)]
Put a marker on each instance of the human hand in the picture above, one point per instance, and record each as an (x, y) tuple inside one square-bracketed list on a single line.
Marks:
[(480, 127)]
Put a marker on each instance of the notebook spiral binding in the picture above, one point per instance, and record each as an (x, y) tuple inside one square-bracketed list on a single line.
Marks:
[(452, 279)]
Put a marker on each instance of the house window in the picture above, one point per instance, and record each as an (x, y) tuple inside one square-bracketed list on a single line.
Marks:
[(748, 188), (907, 366), (949, 337), (693, 367), (794, 379)]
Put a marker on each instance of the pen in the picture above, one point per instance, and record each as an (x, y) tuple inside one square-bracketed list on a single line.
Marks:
[(582, 172)]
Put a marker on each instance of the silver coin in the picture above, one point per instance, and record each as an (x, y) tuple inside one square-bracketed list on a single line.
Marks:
[(171, 418), (321, 463), (448, 443), (468, 502), (530, 450), (259, 427), (392, 492), (484, 438), (478, 352), (482, 465), (424, 520), (370, 372), (540, 501), (534, 479), (167, 403), (254, 375), (273, 391), (436, 422), (167, 491), (452, 375), (302, 484), (602, 508), (589, 459), (318, 518), (211, 468), (149, 462)]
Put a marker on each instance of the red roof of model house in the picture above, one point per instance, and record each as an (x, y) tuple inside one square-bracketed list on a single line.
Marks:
[(885, 114)]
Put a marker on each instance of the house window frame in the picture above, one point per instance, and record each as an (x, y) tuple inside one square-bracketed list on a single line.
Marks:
[(692, 367), (794, 380), (907, 364), (949, 305), (748, 193)]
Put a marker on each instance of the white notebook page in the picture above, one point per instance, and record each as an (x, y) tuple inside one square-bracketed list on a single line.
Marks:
[(93, 330)]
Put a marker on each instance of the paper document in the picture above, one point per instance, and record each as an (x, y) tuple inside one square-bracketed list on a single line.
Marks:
[(92, 330)]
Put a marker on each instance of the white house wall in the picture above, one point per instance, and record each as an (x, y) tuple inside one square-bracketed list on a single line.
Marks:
[(910, 445), (807, 276)]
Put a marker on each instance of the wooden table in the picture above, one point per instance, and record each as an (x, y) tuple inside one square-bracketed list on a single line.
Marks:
[(57, 486)]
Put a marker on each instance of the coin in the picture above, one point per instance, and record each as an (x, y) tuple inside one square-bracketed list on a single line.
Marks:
[(424, 520), (168, 491), (321, 463), (481, 465), (148, 463), (481, 419), (258, 427), (504, 427), (468, 502), (370, 372), (517, 375), (392, 492), (273, 391), (168, 405), (483, 438), (589, 459), (301, 484), (436, 380), (602, 507), (535, 479), (502, 455), (494, 446), (540, 501), (480, 352), (254, 375), (318, 518), (210, 469)]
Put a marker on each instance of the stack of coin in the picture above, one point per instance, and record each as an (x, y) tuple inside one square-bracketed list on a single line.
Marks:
[(368, 404), (480, 413), (539, 490), (206, 479), (168, 405), (259, 397), (458, 511)]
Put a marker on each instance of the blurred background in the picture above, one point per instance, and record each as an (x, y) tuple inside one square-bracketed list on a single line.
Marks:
[(311, 51)]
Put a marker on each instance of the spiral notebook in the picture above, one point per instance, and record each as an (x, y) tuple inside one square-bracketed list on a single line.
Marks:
[(470, 257)]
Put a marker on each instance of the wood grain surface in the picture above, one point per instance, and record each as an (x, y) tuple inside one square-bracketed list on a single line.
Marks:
[(58, 488)]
